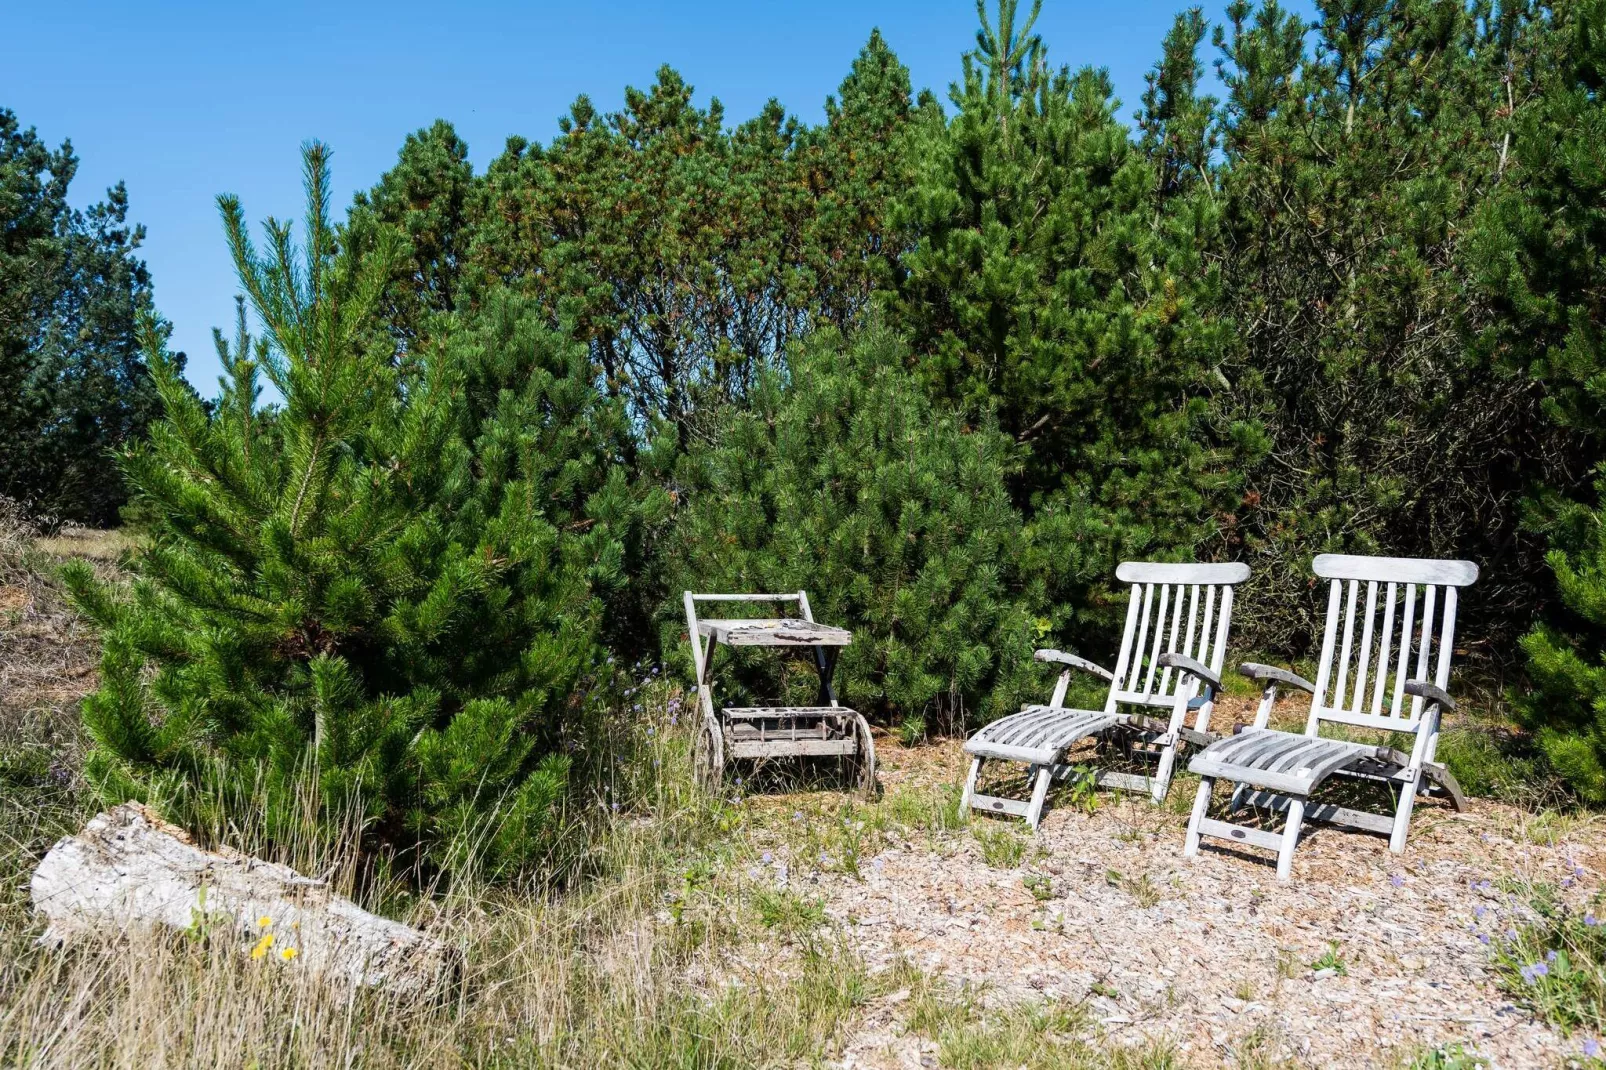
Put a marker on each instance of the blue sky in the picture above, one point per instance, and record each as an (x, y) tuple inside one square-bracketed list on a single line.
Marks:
[(186, 101)]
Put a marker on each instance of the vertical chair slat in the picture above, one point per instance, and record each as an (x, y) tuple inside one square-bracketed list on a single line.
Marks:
[(1124, 658), (1193, 614), (1403, 665), (1424, 650), (1159, 638), (1441, 675), (1202, 655), (1143, 638), (1223, 623), (1171, 640), (1324, 671), (1383, 650), (1349, 639), (1366, 647)]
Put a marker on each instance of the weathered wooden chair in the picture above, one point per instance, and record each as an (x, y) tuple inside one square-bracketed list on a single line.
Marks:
[(1277, 770), (1177, 622), (759, 733)]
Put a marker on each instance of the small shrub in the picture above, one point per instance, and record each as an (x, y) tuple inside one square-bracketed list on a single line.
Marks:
[(1448, 1057), (781, 909), (1001, 846), (1331, 960), (1141, 889), (1556, 966)]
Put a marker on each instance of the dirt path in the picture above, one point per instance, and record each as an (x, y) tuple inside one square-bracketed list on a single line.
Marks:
[(1213, 954)]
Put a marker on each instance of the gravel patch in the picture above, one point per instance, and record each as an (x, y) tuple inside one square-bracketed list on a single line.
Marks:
[(1213, 954)]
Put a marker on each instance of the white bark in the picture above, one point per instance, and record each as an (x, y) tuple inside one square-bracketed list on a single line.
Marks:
[(128, 869)]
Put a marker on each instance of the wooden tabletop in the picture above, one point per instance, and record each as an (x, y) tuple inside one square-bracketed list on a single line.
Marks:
[(789, 632)]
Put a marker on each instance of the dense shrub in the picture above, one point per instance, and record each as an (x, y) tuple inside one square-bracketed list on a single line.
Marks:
[(844, 479)]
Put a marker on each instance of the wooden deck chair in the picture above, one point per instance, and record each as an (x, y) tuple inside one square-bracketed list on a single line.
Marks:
[(1177, 622), (1362, 682)]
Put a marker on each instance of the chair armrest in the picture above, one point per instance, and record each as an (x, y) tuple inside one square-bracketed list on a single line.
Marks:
[(1074, 662), (1271, 674), (1423, 689), (1183, 663)]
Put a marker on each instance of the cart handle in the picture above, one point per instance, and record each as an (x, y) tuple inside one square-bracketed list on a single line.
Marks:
[(793, 597)]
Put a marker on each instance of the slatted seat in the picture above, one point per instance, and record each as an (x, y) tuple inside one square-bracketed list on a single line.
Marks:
[(1172, 649), (1279, 761), (1038, 735), (1387, 676)]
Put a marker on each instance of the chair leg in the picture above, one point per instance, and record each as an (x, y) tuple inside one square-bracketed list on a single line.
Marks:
[(970, 788), (1201, 803), (1402, 815), (1034, 812), (1285, 855), (1160, 783), (1237, 801)]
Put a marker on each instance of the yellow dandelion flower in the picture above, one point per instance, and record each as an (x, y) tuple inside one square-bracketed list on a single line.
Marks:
[(288, 953), (264, 921), (262, 946)]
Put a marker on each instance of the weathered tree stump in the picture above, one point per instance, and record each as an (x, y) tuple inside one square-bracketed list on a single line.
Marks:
[(129, 869)]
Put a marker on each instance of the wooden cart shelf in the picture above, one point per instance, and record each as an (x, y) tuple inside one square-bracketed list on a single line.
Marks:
[(758, 733), (783, 633)]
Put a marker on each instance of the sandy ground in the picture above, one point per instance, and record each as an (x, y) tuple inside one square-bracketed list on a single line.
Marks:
[(1213, 954)]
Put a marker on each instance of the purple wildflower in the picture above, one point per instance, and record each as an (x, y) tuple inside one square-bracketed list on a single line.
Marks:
[(1479, 912), (1483, 938), (766, 858), (1397, 880), (1550, 956), (1591, 1048), (1590, 919)]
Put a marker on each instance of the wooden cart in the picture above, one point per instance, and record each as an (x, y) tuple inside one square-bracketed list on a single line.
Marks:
[(763, 732)]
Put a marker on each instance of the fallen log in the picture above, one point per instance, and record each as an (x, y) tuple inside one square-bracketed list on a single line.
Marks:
[(128, 869)]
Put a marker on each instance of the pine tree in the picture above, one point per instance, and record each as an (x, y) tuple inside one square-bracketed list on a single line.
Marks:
[(365, 589), (73, 385), (1351, 171), (845, 480), (1540, 251), (431, 198), (1050, 284)]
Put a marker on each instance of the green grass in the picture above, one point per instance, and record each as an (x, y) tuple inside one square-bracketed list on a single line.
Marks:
[(1001, 846), (1556, 965)]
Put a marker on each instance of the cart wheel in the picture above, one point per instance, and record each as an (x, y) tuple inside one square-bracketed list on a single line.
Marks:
[(861, 767), (708, 760)]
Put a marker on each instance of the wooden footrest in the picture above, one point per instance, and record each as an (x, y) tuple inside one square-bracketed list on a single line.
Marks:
[(792, 748)]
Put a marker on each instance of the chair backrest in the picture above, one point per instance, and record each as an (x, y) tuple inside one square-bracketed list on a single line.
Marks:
[(1177, 609), (1362, 675)]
